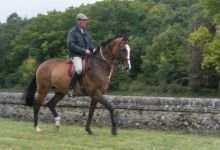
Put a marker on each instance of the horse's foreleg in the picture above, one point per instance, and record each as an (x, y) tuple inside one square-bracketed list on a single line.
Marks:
[(107, 105), (91, 112), (52, 104)]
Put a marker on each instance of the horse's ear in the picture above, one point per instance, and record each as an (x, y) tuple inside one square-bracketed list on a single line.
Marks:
[(125, 37)]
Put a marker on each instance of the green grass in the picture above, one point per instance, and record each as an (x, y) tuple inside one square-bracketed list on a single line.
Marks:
[(149, 91), (13, 89), (200, 94), (16, 135)]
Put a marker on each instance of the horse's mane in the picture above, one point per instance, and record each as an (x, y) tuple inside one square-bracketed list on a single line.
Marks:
[(105, 43)]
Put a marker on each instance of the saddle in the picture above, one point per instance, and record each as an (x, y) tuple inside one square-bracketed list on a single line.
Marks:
[(71, 67), (71, 70)]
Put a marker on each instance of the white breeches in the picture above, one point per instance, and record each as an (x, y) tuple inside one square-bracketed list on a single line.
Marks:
[(77, 61)]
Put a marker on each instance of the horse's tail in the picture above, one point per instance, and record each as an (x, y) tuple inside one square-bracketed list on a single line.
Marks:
[(30, 92)]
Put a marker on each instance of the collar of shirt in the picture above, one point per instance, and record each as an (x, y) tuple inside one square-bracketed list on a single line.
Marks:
[(80, 30)]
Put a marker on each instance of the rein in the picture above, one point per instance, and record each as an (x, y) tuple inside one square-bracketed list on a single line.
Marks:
[(110, 62)]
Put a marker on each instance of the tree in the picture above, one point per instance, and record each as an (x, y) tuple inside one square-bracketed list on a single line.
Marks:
[(8, 32), (27, 70), (164, 59), (206, 38), (159, 51), (211, 57)]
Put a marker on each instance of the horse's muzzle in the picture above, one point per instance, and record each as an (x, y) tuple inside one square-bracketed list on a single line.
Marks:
[(126, 68)]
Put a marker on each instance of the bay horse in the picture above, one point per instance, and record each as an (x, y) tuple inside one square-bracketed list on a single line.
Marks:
[(53, 74)]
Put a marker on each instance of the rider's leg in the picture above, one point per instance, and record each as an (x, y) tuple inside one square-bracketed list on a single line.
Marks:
[(77, 61)]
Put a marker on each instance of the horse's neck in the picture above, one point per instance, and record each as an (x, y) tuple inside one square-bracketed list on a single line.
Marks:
[(105, 54), (101, 63)]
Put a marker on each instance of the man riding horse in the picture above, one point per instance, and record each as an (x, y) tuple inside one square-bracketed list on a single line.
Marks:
[(54, 74), (79, 44)]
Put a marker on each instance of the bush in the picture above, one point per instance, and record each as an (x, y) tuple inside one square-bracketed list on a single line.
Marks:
[(175, 88), (133, 86)]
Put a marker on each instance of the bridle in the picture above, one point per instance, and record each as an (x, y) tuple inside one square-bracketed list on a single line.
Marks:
[(119, 52), (110, 61)]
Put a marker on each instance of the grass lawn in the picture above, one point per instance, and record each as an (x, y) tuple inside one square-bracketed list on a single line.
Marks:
[(15, 135)]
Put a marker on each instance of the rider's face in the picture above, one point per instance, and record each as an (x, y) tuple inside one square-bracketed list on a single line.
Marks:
[(81, 23)]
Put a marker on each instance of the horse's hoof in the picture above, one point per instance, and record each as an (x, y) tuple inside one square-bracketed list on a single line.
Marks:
[(114, 131), (91, 133), (56, 127), (38, 129)]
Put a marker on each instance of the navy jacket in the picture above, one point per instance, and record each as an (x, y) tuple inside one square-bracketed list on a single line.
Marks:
[(78, 42)]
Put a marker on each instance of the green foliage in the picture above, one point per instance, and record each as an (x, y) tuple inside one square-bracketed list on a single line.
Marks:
[(8, 32), (211, 9), (211, 57), (200, 37), (137, 47), (42, 38), (27, 70), (164, 58), (174, 42), (205, 40)]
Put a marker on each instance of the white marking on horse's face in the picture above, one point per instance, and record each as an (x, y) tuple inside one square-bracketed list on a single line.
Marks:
[(128, 55)]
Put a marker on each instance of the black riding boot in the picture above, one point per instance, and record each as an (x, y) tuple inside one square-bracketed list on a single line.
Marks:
[(71, 91)]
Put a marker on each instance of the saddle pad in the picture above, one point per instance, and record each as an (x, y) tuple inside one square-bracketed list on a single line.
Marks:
[(70, 69)]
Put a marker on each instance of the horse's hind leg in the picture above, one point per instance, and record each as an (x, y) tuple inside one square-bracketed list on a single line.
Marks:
[(91, 112), (36, 111), (52, 104), (39, 100)]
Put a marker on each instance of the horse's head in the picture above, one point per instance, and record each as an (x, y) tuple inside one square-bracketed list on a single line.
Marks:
[(118, 49)]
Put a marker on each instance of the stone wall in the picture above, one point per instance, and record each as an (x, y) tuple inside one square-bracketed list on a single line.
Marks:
[(163, 113)]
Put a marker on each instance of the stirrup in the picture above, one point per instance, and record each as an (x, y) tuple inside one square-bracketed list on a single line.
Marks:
[(71, 93)]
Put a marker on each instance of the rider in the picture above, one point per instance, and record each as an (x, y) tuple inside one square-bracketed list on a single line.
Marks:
[(78, 44)]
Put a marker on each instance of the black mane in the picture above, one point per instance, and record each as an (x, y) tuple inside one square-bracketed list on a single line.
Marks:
[(103, 44)]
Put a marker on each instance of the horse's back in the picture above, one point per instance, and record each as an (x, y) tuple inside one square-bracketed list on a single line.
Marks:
[(54, 73), (49, 65)]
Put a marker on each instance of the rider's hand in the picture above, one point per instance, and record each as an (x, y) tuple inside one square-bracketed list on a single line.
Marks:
[(88, 51)]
